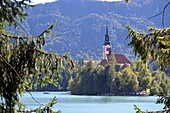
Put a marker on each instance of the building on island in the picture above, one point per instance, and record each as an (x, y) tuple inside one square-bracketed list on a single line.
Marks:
[(121, 59)]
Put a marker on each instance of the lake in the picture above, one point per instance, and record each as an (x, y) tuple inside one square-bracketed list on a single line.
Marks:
[(92, 104)]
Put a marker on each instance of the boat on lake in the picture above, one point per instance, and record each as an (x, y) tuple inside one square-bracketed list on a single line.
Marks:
[(46, 92)]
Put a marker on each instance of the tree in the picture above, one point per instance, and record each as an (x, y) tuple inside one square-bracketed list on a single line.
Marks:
[(12, 12), (23, 62), (160, 82), (117, 67), (154, 45), (83, 83), (65, 74), (116, 86), (112, 60), (144, 77), (107, 78), (130, 81), (87, 76), (98, 81)]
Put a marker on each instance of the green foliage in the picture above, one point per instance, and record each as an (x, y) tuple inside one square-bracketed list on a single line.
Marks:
[(166, 101), (137, 109), (133, 80), (90, 81), (118, 67), (153, 45), (24, 65), (46, 109), (162, 99), (125, 83), (23, 62), (116, 86), (13, 11), (112, 60)]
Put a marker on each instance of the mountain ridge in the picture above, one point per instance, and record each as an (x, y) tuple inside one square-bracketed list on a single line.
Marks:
[(81, 25)]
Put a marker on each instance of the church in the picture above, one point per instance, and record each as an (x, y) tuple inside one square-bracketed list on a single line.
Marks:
[(121, 59)]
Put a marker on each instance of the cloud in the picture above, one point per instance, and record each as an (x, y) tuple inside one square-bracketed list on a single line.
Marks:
[(41, 1), (46, 1)]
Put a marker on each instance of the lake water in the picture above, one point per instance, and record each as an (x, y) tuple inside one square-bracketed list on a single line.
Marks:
[(92, 104)]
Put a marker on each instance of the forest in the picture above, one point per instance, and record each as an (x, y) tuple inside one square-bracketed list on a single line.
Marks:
[(89, 79)]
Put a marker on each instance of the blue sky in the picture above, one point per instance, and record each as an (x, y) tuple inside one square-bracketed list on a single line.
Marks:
[(44, 1)]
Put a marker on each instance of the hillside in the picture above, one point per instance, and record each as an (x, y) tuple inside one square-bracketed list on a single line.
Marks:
[(81, 25)]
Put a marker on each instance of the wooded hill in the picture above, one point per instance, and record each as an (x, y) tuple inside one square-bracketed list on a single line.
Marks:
[(81, 24)]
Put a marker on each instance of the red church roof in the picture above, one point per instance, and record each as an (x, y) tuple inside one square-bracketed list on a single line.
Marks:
[(103, 62), (121, 59)]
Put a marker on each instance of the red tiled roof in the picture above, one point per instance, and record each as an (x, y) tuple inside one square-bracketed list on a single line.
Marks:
[(103, 62), (121, 59)]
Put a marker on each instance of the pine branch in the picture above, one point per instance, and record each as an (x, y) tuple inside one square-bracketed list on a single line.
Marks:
[(35, 99)]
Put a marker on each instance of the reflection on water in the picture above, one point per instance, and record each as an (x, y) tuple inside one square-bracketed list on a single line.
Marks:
[(92, 104)]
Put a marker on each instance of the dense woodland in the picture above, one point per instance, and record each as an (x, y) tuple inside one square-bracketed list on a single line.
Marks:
[(90, 79)]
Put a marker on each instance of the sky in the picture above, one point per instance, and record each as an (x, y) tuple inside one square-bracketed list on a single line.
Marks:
[(107, 0), (44, 1), (41, 1)]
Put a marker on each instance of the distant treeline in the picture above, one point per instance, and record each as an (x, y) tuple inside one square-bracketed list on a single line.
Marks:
[(91, 79), (112, 80)]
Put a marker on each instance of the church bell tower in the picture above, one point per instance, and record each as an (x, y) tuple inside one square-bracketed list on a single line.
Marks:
[(106, 46)]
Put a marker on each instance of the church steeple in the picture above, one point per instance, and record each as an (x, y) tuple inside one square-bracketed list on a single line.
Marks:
[(107, 41), (107, 30), (106, 46), (109, 57)]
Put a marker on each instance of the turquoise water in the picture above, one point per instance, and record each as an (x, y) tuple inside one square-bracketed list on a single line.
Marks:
[(92, 104)]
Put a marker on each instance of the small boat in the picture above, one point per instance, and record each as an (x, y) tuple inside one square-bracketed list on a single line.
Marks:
[(46, 92)]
